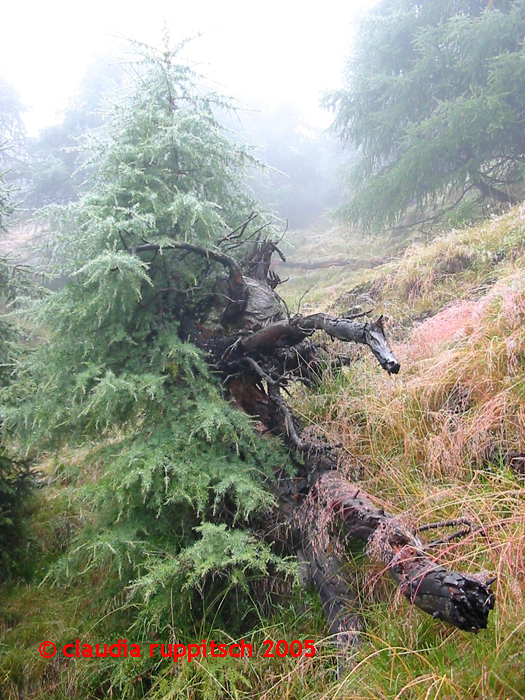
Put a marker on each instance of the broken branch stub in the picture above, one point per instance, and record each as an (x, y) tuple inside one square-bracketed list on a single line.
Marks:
[(348, 330), (289, 333), (460, 599)]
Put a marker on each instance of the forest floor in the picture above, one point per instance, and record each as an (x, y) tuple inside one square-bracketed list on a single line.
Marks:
[(444, 439)]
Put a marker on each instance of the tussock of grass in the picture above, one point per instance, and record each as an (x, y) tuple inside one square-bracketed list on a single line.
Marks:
[(462, 264)]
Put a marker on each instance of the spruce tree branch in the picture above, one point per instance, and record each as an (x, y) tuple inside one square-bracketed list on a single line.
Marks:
[(208, 253), (434, 217), (490, 192)]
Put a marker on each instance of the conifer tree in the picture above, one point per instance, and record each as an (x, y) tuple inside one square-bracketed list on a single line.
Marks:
[(433, 102), (183, 503), (182, 470), (54, 174), (15, 478)]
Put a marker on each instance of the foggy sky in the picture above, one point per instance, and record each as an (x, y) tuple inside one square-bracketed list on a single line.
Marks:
[(255, 51)]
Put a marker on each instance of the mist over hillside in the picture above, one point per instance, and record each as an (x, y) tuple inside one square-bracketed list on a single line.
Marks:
[(261, 351)]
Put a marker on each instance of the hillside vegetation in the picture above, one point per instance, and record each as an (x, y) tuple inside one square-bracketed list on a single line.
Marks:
[(414, 281), (441, 440)]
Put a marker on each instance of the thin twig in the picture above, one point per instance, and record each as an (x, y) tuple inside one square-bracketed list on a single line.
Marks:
[(443, 523)]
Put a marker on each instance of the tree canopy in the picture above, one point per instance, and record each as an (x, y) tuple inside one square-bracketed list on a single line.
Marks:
[(434, 102)]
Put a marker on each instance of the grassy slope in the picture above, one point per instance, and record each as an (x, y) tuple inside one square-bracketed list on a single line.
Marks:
[(427, 442), (431, 442)]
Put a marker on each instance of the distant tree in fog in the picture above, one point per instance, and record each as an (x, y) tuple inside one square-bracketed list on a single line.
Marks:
[(54, 172), (13, 153), (299, 183), (434, 101), (12, 131)]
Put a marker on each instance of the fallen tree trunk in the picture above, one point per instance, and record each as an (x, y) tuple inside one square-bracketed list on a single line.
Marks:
[(460, 599), (352, 263), (258, 350)]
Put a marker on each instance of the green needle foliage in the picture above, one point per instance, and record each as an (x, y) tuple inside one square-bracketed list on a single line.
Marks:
[(434, 103), (15, 479), (180, 473)]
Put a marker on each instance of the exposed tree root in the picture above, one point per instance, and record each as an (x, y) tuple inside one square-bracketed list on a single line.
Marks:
[(258, 349)]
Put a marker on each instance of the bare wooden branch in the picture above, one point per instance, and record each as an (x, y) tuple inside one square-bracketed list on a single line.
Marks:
[(209, 253), (352, 263), (371, 334), (348, 330), (462, 600), (239, 292)]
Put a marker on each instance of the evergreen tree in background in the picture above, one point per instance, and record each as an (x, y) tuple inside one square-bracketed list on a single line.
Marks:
[(13, 147), (180, 471), (15, 478), (299, 184), (434, 101), (54, 174), (12, 130)]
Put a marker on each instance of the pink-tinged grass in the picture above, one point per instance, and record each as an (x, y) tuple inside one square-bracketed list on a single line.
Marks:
[(431, 443)]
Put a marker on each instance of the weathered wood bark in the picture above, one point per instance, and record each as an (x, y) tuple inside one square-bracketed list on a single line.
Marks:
[(293, 331), (460, 599), (339, 602), (371, 334)]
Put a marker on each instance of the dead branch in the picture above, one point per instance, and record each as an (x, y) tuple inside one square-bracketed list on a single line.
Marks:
[(348, 330), (352, 263), (462, 600), (238, 296)]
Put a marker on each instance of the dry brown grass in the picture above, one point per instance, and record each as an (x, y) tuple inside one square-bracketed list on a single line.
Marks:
[(431, 444)]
